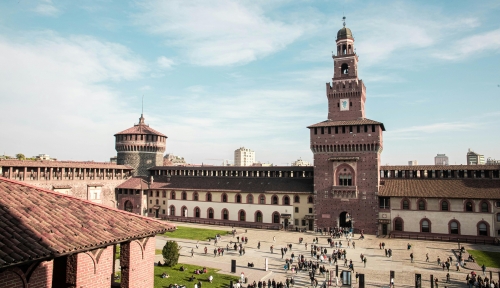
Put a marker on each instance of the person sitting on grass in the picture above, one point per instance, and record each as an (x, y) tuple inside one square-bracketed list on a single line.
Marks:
[(191, 279), (164, 275), (204, 270), (210, 278), (182, 268)]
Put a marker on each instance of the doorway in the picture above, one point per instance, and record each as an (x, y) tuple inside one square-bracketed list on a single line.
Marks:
[(311, 225), (384, 229), (344, 221)]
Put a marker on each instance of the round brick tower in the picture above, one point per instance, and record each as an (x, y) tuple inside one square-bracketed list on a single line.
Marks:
[(140, 147)]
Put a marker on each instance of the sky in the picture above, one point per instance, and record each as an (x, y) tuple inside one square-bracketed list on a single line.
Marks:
[(219, 75)]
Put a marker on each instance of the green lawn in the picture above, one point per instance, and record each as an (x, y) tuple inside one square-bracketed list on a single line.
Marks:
[(158, 251), (178, 277), (489, 259), (195, 233)]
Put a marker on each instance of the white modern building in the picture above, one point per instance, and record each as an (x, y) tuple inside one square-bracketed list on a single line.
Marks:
[(301, 162), (412, 163), (441, 159), (244, 157), (474, 158)]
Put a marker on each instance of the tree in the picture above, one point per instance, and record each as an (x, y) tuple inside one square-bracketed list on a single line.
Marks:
[(20, 156), (170, 253)]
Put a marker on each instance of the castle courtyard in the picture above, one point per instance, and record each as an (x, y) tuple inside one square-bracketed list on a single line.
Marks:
[(378, 266)]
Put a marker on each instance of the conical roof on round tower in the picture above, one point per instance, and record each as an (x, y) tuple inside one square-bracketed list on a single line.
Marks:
[(141, 128)]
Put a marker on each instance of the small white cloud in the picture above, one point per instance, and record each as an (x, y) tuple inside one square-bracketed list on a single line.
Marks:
[(47, 8), (165, 62), (436, 127), (488, 41), (145, 88)]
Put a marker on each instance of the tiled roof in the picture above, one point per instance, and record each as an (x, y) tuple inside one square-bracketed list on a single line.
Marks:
[(362, 121), (240, 184), (41, 224), (141, 129), (440, 167), (65, 164), (441, 188)]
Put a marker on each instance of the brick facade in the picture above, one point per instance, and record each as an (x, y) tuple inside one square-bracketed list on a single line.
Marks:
[(346, 149), (137, 262)]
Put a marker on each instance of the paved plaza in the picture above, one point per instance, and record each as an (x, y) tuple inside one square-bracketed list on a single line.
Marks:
[(377, 269)]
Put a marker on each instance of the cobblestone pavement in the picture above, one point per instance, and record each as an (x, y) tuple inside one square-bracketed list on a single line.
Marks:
[(377, 268)]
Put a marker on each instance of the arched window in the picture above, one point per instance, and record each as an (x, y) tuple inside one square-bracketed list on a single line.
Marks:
[(469, 207), (310, 199), (238, 198), (454, 227), (250, 199), (157, 201), (445, 206), (242, 215), (421, 204), (425, 225), (482, 229), (274, 200), (184, 211), (276, 217), (225, 214), (172, 195), (184, 195), (345, 180), (286, 200), (398, 224), (406, 204), (128, 206), (164, 194), (209, 197), (296, 199), (172, 210), (197, 212), (258, 217), (262, 199), (224, 197), (344, 49), (195, 196), (210, 213), (485, 207), (344, 68)]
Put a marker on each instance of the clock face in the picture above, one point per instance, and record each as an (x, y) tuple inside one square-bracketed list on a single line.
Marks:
[(344, 104)]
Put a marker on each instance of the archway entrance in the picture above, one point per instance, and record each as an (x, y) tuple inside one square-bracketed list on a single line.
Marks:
[(128, 206), (344, 220)]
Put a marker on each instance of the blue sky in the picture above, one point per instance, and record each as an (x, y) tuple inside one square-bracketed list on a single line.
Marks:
[(218, 75)]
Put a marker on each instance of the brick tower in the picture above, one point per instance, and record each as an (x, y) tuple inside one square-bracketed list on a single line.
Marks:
[(346, 149), (140, 147)]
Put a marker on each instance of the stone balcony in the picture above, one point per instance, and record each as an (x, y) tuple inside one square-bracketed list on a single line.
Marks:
[(344, 192)]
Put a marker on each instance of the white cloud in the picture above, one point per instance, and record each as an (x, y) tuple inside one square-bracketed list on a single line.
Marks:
[(58, 87), (145, 88), (47, 8), (436, 127), (165, 62), (217, 33), (461, 49)]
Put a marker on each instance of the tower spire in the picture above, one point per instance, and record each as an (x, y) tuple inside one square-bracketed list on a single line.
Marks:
[(343, 19), (141, 120)]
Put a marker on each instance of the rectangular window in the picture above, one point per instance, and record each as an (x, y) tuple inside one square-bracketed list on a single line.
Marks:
[(366, 128), (303, 222), (350, 129), (315, 131), (150, 201), (163, 204), (322, 130), (157, 193), (329, 130), (296, 222), (343, 129), (151, 193), (498, 204), (373, 128), (336, 130), (163, 211), (357, 128), (384, 202), (296, 209), (310, 210)]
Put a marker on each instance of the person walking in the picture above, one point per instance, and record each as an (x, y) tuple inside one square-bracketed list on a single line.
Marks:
[(411, 257), (192, 252), (364, 261), (426, 257), (274, 238), (484, 269)]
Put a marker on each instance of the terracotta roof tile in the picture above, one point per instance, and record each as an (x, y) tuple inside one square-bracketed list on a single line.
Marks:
[(37, 224), (441, 188), (240, 184), (440, 167), (65, 164), (140, 129), (362, 121)]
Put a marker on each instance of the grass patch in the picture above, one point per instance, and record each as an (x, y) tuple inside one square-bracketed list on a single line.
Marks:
[(158, 251), (489, 259), (195, 233), (117, 254), (182, 277)]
